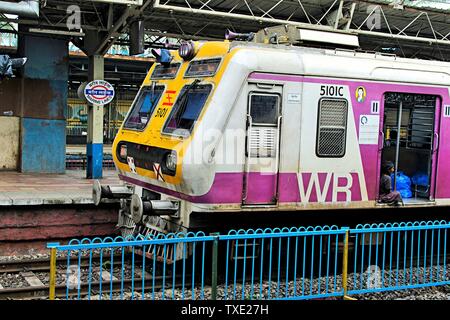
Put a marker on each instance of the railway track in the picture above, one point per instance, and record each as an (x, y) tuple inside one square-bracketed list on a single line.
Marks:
[(43, 264), (42, 291), (106, 279), (30, 271), (34, 286)]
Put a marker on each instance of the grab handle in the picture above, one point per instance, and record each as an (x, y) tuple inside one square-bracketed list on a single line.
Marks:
[(436, 142), (382, 141), (247, 165)]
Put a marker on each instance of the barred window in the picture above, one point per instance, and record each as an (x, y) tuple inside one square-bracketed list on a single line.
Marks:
[(332, 128), (262, 136)]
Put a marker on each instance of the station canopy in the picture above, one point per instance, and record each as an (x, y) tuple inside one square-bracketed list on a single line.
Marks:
[(410, 28)]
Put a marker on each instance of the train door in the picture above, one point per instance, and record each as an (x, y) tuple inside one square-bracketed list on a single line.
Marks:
[(410, 131), (262, 145)]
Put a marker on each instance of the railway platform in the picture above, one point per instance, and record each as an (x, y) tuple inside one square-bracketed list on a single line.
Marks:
[(37, 208), (21, 189)]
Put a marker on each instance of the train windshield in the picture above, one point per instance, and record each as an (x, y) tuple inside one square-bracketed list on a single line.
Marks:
[(203, 68), (187, 109), (165, 71), (143, 107)]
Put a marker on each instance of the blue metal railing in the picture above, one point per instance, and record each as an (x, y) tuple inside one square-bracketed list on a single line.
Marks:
[(286, 266), (152, 278), (399, 256), (287, 263)]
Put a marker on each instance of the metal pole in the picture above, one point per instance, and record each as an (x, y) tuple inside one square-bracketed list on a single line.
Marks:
[(345, 263), (52, 276), (338, 13), (214, 266), (397, 148), (94, 148)]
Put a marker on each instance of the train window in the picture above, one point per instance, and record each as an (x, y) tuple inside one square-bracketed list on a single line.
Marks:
[(165, 71), (187, 109), (264, 109), (143, 107), (203, 68), (332, 128)]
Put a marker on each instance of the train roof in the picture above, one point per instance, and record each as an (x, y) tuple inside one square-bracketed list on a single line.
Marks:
[(350, 64)]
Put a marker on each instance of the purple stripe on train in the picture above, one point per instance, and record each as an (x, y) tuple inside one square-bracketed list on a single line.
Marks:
[(260, 188), (228, 188), (319, 187)]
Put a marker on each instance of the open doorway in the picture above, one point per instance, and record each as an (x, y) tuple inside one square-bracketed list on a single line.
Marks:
[(409, 132)]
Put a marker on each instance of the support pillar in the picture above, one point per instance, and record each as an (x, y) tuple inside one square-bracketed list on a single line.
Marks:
[(94, 148), (41, 98)]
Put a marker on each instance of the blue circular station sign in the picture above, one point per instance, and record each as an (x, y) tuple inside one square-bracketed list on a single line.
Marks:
[(99, 92)]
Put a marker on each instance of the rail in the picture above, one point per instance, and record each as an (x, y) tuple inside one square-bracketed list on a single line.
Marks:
[(28, 278), (79, 161)]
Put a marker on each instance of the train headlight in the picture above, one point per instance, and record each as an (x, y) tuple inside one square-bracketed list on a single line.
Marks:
[(187, 50), (171, 161)]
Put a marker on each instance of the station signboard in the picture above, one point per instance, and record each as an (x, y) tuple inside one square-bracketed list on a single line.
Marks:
[(99, 92)]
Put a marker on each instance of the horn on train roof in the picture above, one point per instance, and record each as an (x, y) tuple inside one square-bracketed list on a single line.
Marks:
[(230, 35)]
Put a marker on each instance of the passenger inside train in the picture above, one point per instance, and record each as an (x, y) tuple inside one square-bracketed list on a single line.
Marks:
[(386, 194)]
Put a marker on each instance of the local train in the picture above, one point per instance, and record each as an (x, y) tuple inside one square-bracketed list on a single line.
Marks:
[(226, 127)]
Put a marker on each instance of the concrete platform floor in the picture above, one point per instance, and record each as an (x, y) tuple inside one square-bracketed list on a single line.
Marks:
[(46, 189)]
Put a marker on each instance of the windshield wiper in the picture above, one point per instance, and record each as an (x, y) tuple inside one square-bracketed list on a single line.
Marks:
[(153, 97), (183, 102)]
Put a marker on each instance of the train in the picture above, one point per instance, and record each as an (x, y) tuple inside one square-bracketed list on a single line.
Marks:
[(232, 128)]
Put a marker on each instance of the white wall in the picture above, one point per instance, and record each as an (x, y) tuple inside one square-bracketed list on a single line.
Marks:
[(9, 142)]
